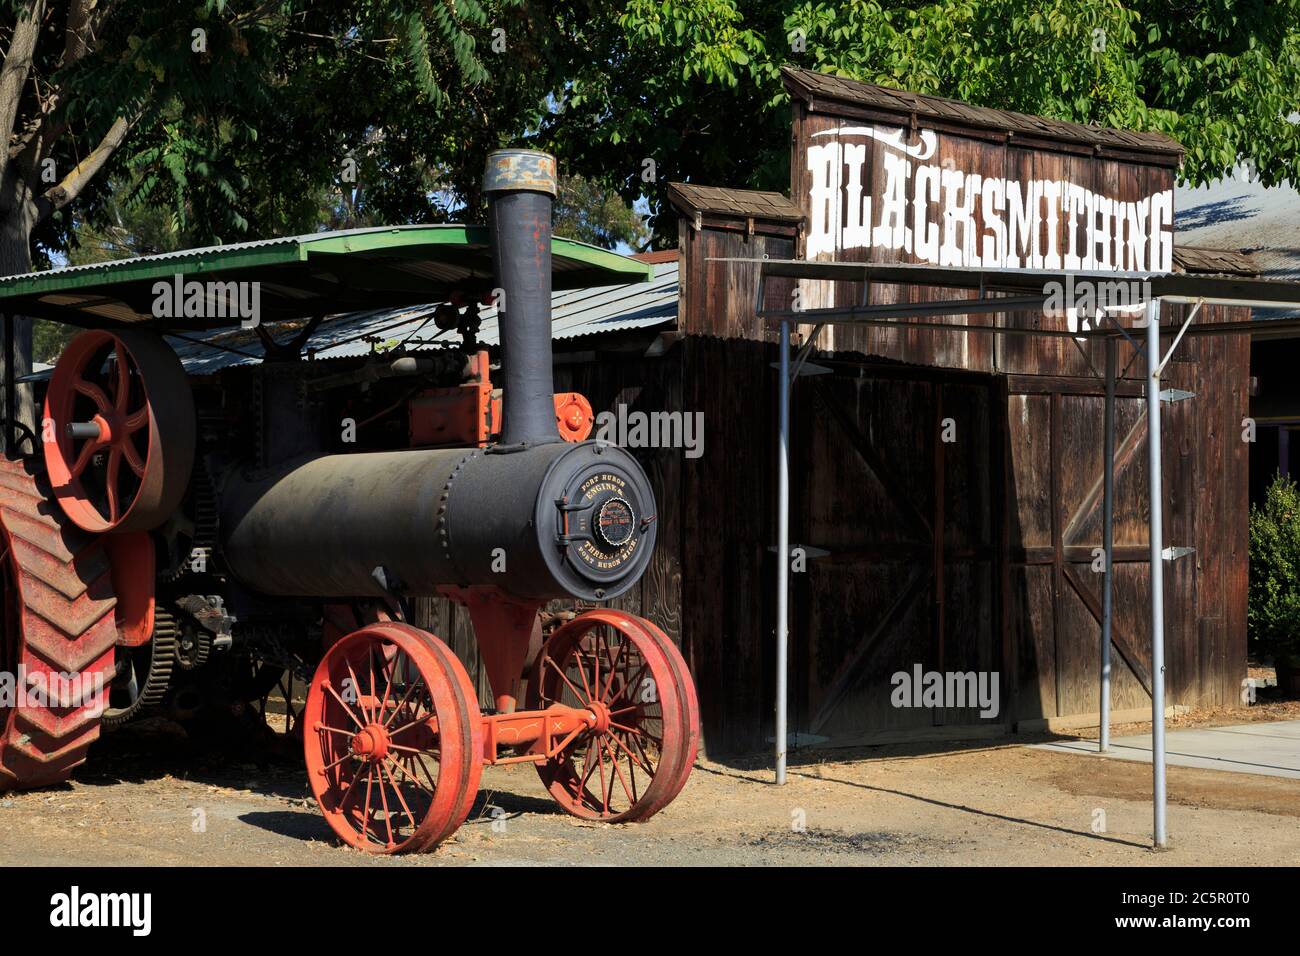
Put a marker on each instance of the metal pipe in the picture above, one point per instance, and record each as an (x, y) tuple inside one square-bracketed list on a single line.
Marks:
[(1108, 541), (782, 552), (84, 430), (1157, 575), (936, 307), (520, 185)]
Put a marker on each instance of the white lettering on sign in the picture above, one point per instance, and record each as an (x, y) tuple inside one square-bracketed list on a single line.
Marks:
[(956, 218)]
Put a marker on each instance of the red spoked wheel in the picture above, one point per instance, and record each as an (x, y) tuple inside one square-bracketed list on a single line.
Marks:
[(690, 700), (393, 741), (636, 757), (122, 418)]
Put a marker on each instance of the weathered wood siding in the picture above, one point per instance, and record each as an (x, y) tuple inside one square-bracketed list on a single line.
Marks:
[(975, 554)]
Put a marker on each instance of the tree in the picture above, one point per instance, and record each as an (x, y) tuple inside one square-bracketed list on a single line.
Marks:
[(236, 118), (1273, 609), (694, 85), (592, 212)]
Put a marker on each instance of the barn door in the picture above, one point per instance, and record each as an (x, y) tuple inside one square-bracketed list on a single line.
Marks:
[(893, 478), (1054, 512)]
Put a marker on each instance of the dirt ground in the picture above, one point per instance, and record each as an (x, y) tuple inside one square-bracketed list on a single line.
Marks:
[(982, 805)]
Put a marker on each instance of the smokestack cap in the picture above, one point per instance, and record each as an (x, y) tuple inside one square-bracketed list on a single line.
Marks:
[(519, 169)]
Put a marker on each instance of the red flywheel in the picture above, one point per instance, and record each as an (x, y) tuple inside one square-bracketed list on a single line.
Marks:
[(119, 431)]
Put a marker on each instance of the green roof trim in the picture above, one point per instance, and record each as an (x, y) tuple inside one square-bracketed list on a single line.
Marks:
[(318, 273)]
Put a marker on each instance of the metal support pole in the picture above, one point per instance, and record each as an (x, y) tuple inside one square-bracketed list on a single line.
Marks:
[(1107, 540), (782, 553), (1157, 575)]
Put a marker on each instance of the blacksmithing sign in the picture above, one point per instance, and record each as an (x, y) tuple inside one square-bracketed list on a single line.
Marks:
[(934, 211)]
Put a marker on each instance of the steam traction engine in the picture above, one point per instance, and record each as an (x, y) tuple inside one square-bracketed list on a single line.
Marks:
[(196, 542)]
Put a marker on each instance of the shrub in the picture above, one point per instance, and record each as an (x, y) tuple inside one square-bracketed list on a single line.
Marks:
[(1273, 615)]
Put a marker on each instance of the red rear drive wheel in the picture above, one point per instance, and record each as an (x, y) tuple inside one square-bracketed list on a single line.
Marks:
[(393, 741), (637, 757), (129, 461), (56, 631)]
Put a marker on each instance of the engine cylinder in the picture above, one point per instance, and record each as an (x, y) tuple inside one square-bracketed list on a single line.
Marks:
[(540, 521)]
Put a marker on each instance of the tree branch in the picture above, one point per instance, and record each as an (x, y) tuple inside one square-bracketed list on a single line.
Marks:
[(13, 76), (70, 188)]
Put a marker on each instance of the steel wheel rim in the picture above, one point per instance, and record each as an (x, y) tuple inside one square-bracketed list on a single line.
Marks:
[(405, 725), (689, 700), (628, 767)]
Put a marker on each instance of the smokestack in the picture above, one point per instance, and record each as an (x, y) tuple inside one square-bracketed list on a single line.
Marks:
[(520, 186)]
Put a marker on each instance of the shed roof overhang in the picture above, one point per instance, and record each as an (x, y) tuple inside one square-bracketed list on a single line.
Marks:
[(1012, 290), (300, 277)]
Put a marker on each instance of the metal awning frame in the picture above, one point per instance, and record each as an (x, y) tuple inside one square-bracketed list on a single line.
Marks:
[(1002, 291)]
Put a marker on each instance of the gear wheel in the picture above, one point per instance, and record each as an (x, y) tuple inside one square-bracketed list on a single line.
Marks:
[(192, 648), (156, 660), (204, 512)]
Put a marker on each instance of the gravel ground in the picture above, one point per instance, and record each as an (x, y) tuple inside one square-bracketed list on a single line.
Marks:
[(975, 806)]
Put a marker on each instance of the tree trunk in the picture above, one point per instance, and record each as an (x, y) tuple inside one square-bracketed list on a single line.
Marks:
[(17, 218)]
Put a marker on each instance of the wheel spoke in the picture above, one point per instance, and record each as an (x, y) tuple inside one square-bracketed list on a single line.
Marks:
[(347, 793), (383, 799), (136, 420), (94, 393), (346, 709), (654, 765), (356, 689), (331, 766), (418, 720), (110, 483), (630, 756), (370, 786), (408, 776), (405, 697), (577, 693), (613, 664), (628, 683), (121, 381), (400, 799), (613, 757), (428, 774), (132, 456), (83, 459), (587, 765), (412, 750), (388, 684)]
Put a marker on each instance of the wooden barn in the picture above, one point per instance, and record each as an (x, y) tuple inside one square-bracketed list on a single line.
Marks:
[(946, 485)]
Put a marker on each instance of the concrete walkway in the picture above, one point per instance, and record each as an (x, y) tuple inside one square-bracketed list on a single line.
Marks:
[(1269, 749)]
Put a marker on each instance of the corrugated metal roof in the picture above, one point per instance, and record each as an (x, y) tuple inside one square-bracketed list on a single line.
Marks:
[(809, 86), (575, 313), (1240, 213), (1237, 213), (300, 276)]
